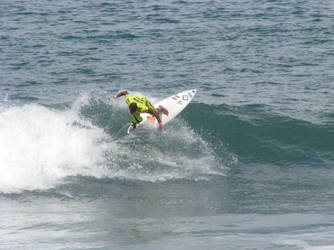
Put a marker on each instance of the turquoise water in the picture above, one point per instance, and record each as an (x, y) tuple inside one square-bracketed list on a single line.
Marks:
[(247, 165)]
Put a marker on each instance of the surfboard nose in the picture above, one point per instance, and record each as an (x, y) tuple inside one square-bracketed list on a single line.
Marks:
[(193, 91)]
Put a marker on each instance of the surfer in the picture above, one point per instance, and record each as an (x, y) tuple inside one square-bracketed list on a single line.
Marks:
[(140, 104)]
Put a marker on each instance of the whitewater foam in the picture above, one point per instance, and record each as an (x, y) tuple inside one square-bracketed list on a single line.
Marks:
[(40, 146), (176, 153)]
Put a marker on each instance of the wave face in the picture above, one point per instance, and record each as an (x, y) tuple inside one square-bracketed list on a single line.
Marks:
[(41, 147), (258, 134)]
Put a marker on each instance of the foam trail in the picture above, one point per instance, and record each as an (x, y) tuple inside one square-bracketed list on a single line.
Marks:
[(176, 153), (39, 147)]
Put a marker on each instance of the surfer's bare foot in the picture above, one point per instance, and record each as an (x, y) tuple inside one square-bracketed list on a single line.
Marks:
[(163, 109)]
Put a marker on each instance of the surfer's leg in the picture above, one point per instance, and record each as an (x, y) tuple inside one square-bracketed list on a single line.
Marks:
[(163, 109), (159, 109)]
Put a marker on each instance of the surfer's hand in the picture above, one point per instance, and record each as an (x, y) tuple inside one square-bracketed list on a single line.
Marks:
[(160, 126)]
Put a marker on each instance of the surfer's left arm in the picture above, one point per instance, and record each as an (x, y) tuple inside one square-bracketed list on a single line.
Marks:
[(156, 115)]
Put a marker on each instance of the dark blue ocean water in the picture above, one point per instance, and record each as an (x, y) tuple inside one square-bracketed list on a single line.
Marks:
[(249, 164)]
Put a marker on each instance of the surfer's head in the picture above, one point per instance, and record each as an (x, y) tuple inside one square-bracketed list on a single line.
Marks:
[(133, 107)]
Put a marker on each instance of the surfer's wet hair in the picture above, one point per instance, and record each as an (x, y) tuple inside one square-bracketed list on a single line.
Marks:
[(133, 107)]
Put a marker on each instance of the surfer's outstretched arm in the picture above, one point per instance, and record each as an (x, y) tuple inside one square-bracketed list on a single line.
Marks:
[(121, 94), (156, 115)]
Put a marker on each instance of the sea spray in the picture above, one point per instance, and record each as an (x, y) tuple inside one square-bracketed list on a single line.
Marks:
[(40, 146)]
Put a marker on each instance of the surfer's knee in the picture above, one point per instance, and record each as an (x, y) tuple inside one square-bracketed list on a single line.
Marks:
[(163, 109)]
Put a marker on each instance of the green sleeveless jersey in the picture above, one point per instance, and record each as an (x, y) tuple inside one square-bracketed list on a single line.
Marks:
[(142, 106)]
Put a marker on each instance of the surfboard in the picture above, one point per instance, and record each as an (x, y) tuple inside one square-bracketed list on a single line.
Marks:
[(174, 104)]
